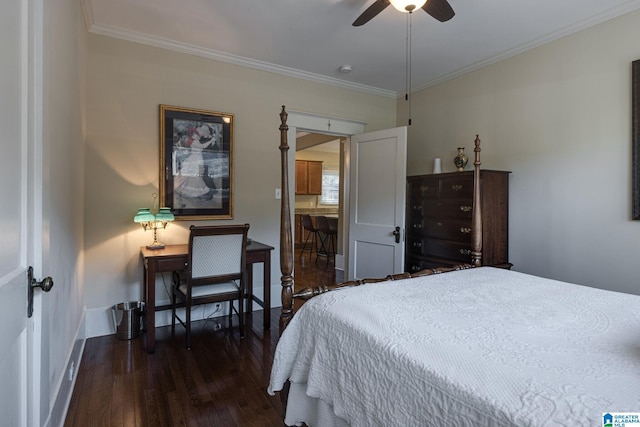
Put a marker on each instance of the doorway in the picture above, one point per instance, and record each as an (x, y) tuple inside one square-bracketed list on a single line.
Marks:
[(319, 192)]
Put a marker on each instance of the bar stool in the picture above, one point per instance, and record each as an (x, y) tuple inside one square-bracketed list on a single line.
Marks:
[(328, 235), (312, 232)]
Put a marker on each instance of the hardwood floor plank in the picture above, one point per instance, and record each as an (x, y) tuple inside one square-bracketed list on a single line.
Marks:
[(221, 382)]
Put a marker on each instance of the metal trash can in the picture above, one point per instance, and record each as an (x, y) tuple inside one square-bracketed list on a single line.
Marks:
[(126, 319)]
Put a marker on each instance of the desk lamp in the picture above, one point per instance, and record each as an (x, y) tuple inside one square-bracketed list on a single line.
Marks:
[(150, 221)]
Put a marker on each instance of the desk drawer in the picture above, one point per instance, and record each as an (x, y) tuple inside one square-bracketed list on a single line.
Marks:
[(171, 264)]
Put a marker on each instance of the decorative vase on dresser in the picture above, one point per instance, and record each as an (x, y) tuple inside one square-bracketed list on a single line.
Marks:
[(439, 212), (460, 160)]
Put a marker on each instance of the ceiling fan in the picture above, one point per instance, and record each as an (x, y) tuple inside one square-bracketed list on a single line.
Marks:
[(439, 9)]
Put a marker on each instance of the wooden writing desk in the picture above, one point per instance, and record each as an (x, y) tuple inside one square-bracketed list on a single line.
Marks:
[(174, 257)]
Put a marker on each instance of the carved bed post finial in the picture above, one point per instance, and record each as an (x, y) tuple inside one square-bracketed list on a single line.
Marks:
[(286, 242), (476, 221)]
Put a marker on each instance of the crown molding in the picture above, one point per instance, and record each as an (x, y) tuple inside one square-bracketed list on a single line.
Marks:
[(87, 13), (566, 31), (189, 49)]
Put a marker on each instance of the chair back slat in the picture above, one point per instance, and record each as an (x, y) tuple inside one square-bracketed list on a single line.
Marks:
[(216, 272), (216, 255)]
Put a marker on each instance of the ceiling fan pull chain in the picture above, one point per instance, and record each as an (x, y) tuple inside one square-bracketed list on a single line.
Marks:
[(406, 63), (407, 96)]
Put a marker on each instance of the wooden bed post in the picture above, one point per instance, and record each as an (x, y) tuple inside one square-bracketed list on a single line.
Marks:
[(286, 242), (476, 221)]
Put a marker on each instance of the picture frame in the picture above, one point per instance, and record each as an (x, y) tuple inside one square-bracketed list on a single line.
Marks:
[(196, 163), (635, 138)]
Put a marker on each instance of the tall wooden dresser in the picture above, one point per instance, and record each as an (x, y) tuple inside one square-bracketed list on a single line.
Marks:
[(439, 211)]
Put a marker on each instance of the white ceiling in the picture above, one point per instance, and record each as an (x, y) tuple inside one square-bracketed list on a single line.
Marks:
[(311, 39)]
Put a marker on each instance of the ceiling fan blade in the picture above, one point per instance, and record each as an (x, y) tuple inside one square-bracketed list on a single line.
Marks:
[(439, 9), (371, 11)]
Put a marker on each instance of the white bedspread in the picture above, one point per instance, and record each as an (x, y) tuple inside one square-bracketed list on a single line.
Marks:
[(479, 347)]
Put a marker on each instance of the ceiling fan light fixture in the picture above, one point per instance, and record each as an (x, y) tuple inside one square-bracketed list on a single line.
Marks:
[(407, 5)]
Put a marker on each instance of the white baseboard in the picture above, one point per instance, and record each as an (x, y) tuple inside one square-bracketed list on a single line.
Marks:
[(68, 378), (339, 266)]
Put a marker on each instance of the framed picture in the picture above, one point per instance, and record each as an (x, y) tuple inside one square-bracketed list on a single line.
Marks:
[(196, 163), (635, 137)]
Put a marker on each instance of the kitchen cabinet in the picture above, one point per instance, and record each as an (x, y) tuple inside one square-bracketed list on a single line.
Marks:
[(308, 177), (297, 230)]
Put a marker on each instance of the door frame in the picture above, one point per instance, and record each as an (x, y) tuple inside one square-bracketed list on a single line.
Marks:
[(326, 125), (33, 93)]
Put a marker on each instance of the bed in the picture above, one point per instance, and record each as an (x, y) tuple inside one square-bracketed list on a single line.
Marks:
[(463, 346)]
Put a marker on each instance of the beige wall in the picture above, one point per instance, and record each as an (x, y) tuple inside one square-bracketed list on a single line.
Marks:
[(61, 338), (559, 118), (126, 83)]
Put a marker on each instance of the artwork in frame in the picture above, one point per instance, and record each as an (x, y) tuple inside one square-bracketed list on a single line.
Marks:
[(635, 137), (196, 163)]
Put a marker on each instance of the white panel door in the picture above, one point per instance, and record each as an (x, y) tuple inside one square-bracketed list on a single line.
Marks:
[(377, 203), (21, 196)]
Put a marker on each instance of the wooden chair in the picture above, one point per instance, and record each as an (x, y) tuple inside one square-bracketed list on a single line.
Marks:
[(328, 235), (215, 272), (312, 232)]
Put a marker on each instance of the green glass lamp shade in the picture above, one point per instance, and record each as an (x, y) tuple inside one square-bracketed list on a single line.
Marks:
[(144, 215), (164, 215)]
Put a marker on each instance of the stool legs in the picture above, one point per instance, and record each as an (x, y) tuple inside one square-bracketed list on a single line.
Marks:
[(314, 242), (327, 246)]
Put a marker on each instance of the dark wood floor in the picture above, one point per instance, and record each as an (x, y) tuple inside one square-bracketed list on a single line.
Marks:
[(222, 381)]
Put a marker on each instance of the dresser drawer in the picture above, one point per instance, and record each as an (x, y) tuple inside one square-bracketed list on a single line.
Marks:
[(448, 228), (456, 187), (423, 188), (415, 264), (454, 251), (449, 208), (414, 245), (459, 231)]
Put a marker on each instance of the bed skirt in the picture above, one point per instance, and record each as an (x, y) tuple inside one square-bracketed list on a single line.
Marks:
[(313, 412)]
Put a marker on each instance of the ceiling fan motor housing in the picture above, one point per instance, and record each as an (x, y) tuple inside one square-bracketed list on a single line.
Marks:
[(407, 5), (439, 9)]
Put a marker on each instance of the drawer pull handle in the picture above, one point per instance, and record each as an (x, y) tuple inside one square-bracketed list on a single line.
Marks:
[(417, 207), (465, 208), (457, 187), (439, 224), (424, 188), (465, 251), (417, 226), (465, 230), (417, 244)]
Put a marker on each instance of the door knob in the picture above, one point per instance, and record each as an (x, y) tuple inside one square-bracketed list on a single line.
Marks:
[(45, 284), (396, 233)]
